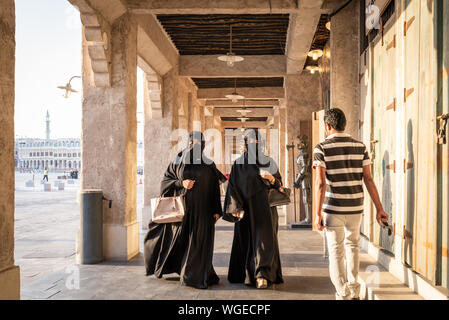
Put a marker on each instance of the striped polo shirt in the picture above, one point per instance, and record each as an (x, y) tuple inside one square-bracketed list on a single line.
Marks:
[(344, 158)]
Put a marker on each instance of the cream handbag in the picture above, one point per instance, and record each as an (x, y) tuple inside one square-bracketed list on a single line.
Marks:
[(167, 209)]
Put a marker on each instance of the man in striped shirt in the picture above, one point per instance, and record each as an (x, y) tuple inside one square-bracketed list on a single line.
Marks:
[(342, 164)]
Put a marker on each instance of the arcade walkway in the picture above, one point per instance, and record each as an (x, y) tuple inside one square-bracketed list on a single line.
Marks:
[(305, 273)]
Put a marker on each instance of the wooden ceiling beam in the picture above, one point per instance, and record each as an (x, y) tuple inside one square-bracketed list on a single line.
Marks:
[(240, 103), (208, 66), (212, 7), (232, 112), (238, 124), (248, 93)]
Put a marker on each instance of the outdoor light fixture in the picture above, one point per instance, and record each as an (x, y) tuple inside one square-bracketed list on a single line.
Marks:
[(230, 58), (234, 96), (315, 54), (68, 87), (313, 69), (328, 25)]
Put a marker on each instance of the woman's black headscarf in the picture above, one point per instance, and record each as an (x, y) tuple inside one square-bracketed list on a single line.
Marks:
[(245, 178), (191, 155), (254, 152)]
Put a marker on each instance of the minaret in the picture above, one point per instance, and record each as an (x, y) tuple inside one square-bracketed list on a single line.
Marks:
[(48, 126)]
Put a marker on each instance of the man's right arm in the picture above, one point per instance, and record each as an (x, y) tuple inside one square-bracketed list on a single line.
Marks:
[(381, 216), (319, 164)]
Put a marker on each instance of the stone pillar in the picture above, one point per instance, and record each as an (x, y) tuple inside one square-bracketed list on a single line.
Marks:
[(282, 139), (344, 47), (109, 141), (190, 112), (202, 112), (9, 273), (303, 96), (158, 144)]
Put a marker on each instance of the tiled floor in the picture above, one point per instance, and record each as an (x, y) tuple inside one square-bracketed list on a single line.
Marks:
[(305, 274), (46, 224)]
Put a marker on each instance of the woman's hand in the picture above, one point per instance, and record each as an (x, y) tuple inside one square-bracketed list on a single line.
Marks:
[(216, 217), (238, 214), (188, 184), (266, 175)]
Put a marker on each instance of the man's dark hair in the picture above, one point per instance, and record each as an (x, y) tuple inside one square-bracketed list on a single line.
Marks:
[(335, 118)]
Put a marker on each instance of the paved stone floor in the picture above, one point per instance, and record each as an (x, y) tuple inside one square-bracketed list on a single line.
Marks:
[(46, 227)]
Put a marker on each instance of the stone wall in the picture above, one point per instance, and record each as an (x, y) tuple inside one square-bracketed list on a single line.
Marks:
[(344, 45), (301, 102), (109, 140), (162, 141), (9, 274)]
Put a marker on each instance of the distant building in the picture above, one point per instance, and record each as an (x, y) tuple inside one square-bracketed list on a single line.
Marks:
[(54, 154)]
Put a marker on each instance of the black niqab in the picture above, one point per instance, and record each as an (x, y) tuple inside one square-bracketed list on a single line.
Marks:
[(186, 247)]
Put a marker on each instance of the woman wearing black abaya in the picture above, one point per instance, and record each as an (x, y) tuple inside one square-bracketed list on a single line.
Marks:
[(186, 247), (255, 251)]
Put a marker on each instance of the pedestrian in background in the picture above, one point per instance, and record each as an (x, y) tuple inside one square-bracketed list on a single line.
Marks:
[(45, 175)]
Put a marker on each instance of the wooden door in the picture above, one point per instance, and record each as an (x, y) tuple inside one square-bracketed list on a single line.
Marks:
[(426, 202), (366, 67), (411, 110), (384, 129), (443, 152)]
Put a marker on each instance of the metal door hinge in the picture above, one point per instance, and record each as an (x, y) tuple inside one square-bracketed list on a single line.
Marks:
[(373, 143), (442, 134), (407, 165), (392, 166), (406, 234), (392, 44), (392, 106), (407, 25), (407, 93)]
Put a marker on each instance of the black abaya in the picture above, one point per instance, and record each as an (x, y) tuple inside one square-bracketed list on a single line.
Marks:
[(255, 249), (186, 247)]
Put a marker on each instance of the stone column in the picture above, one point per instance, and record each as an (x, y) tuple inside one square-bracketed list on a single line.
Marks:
[(202, 112), (109, 141), (344, 47), (9, 273), (303, 96), (158, 144), (282, 139)]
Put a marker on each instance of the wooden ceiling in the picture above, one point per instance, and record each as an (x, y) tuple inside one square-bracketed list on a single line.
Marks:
[(320, 39), (261, 34), (206, 83)]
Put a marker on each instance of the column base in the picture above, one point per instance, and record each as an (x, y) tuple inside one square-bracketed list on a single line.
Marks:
[(146, 217), (290, 213), (10, 284), (120, 242)]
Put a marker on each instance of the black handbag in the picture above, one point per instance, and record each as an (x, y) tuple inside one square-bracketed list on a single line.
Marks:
[(279, 196)]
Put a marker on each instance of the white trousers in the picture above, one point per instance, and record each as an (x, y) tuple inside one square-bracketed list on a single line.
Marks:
[(343, 240)]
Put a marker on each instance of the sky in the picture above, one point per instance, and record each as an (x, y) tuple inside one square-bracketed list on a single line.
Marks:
[(48, 54)]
